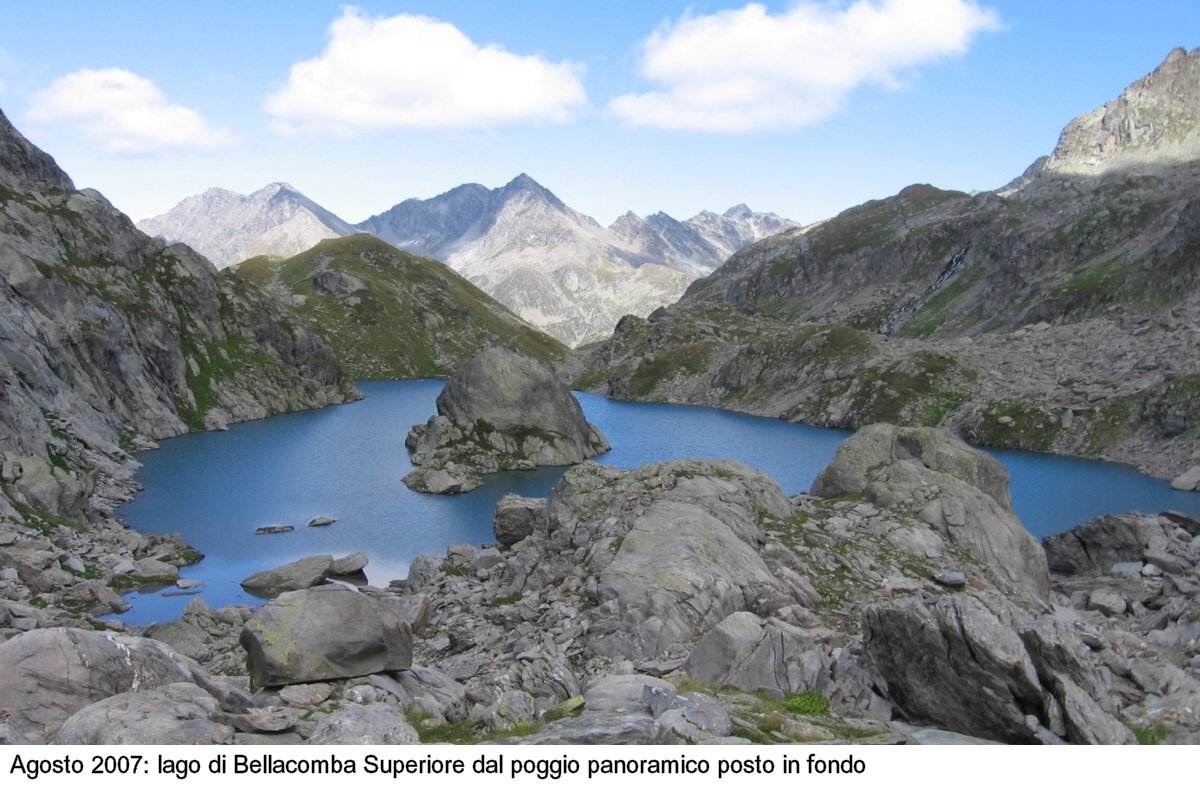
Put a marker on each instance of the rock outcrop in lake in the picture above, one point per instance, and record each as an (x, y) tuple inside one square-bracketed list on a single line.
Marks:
[(500, 410)]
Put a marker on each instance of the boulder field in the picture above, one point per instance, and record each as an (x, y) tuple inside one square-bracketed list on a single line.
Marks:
[(682, 602)]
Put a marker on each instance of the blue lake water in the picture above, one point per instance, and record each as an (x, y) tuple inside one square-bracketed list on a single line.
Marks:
[(347, 461)]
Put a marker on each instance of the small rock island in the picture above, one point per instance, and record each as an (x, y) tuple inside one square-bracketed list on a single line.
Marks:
[(501, 410)]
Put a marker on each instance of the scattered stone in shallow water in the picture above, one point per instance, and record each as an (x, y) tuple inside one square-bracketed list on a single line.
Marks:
[(272, 529), (321, 521), (303, 573)]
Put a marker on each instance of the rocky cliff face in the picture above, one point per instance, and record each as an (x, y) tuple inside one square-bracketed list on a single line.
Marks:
[(109, 338), (1152, 124), (501, 410), (1058, 314)]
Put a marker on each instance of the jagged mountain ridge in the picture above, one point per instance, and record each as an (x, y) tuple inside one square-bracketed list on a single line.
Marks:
[(391, 314), (557, 268), (227, 227), (1061, 313)]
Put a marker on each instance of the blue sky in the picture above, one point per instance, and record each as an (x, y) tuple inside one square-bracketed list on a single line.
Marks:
[(645, 106)]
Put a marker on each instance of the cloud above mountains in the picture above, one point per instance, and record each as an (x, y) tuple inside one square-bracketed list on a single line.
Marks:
[(748, 70), (741, 70), (414, 72), (125, 114)]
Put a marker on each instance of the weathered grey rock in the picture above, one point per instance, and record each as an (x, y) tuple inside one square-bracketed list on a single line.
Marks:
[(623, 693), (364, 724), (951, 579), (1107, 602), (424, 570), (353, 563), (601, 728), (321, 521), (434, 693), (941, 737), (516, 517), (322, 633), (501, 410), (175, 714), (416, 610), (336, 282), (150, 569), (979, 665), (1094, 547), (1131, 569), (306, 695), (47, 675), (961, 492), (303, 573), (1188, 480), (696, 717), (273, 529), (752, 654), (452, 478)]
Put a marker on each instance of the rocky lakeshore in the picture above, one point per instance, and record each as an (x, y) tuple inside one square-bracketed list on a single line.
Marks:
[(691, 601)]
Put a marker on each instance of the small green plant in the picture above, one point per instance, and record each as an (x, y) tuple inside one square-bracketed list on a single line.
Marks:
[(1154, 734), (807, 703)]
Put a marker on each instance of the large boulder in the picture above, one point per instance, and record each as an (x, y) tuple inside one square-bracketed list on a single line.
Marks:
[(501, 410), (364, 724), (960, 492), (979, 665), (674, 547), (1095, 546), (517, 517), (178, 714), (752, 654), (47, 675), (327, 632), (303, 573)]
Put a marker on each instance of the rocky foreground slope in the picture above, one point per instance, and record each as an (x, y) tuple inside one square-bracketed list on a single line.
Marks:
[(1059, 314), (109, 339), (688, 601)]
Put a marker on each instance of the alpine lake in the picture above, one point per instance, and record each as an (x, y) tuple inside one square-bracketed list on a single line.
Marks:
[(347, 461)]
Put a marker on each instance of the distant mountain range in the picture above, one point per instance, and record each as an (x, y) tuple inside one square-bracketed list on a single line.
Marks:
[(557, 268), (227, 227)]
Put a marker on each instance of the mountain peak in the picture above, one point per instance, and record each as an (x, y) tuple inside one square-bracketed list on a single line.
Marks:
[(525, 184), (737, 211), (1156, 120), (25, 168)]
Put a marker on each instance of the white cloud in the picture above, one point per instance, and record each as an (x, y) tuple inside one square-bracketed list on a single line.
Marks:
[(126, 114), (746, 70), (411, 71)]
